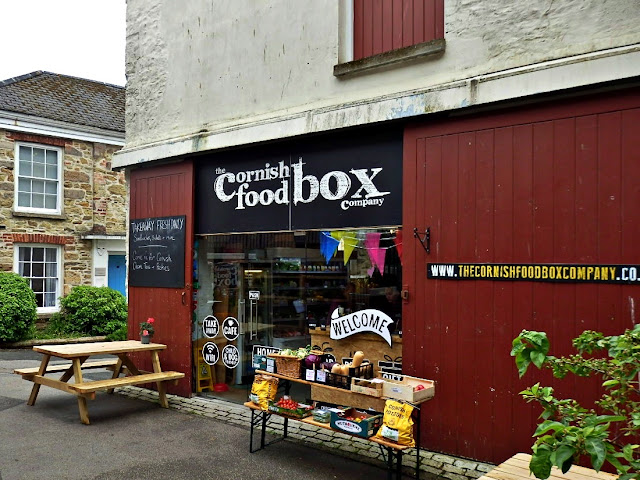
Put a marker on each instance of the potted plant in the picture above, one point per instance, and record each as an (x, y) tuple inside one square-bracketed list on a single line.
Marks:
[(147, 330)]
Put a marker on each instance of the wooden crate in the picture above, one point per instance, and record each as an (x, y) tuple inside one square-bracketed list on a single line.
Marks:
[(401, 387), (365, 386)]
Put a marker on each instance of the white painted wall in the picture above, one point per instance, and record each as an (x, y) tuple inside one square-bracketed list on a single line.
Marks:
[(206, 74), (101, 250)]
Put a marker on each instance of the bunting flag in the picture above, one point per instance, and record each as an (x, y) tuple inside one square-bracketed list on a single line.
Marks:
[(350, 242), (398, 241), (328, 245), (376, 254)]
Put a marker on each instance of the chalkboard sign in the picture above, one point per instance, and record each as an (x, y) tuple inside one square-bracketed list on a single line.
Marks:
[(156, 252)]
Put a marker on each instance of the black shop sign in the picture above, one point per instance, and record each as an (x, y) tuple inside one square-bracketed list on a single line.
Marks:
[(156, 252), (336, 183)]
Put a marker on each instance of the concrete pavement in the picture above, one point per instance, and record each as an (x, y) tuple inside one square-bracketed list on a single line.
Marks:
[(132, 437)]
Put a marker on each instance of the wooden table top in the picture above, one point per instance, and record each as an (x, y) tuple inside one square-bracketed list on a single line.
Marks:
[(74, 350), (517, 468)]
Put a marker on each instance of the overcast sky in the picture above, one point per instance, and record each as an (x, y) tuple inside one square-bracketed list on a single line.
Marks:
[(81, 38)]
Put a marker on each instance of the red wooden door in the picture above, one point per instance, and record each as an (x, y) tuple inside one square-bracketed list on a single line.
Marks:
[(159, 192), (548, 184)]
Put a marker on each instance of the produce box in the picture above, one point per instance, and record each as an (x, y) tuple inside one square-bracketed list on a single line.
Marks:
[(344, 381), (410, 389), (321, 415), (355, 422), (365, 386), (293, 410)]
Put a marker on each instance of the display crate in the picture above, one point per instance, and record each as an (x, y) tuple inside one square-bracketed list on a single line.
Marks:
[(403, 388), (287, 365), (371, 387), (355, 422), (344, 381), (302, 411)]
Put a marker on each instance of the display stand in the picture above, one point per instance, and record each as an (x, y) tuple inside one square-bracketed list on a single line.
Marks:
[(391, 451)]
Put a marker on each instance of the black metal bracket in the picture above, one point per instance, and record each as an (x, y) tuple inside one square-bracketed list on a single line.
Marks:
[(426, 241)]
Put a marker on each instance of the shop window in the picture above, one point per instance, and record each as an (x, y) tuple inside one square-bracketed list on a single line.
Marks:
[(40, 265), (38, 186), (281, 287)]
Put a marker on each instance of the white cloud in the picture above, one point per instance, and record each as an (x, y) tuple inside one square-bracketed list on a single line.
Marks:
[(81, 38)]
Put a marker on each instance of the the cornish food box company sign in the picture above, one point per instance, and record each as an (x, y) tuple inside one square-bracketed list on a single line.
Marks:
[(332, 184)]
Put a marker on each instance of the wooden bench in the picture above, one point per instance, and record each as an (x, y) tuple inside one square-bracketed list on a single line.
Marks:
[(392, 448), (517, 468), (90, 388), (108, 363)]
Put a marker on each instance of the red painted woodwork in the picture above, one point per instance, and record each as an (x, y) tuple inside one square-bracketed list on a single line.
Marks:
[(553, 183), (159, 192), (384, 25)]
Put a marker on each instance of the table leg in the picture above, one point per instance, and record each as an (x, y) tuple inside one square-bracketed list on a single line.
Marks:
[(116, 372), (82, 401), (399, 464), (389, 463), (162, 386), (36, 386)]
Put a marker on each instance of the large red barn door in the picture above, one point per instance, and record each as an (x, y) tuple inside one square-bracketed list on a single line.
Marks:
[(547, 184), (160, 192)]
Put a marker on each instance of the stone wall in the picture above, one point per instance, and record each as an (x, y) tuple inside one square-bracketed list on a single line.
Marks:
[(94, 203)]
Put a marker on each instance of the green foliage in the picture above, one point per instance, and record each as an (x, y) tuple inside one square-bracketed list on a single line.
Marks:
[(91, 311), (119, 334), (569, 431), (18, 310)]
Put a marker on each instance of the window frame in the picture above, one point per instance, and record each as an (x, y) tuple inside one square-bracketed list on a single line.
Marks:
[(59, 179), (60, 271)]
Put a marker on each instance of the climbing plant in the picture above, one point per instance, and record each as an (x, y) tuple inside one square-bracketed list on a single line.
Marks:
[(568, 431)]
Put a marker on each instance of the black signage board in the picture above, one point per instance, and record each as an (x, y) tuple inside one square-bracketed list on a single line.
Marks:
[(332, 182), (156, 252), (567, 273)]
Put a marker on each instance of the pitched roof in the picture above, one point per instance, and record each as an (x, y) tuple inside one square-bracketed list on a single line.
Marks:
[(64, 98)]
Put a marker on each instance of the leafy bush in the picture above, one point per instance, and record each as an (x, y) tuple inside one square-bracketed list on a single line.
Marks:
[(91, 311), (568, 430), (17, 307)]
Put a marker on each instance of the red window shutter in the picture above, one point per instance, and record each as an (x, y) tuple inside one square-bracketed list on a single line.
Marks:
[(383, 25)]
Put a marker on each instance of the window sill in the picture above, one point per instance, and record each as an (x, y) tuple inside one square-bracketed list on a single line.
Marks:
[(401, 55), (51, 216)]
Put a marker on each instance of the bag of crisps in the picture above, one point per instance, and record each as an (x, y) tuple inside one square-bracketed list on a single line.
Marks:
[(397, 424), (263, 389)]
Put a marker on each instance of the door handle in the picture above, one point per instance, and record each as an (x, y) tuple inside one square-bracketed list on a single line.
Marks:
[(184, 298)]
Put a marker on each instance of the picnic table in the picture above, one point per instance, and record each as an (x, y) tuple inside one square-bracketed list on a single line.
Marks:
[(121, 363)]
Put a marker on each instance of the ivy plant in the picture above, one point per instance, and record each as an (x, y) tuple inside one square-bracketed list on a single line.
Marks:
[(568, 431)]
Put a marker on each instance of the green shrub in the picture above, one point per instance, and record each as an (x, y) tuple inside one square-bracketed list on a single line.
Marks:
[(17, 307), (91, 311)]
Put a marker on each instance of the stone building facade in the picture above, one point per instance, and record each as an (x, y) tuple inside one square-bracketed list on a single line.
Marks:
[(75, 125)]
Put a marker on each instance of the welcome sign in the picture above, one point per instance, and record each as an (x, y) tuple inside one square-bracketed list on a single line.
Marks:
[(345, 182), (367, 320)]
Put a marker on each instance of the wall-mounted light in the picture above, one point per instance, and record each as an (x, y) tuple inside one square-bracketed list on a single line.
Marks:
[(253, 271)]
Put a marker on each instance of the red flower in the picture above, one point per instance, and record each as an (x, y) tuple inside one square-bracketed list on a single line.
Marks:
[(151, 320), (145, 332)]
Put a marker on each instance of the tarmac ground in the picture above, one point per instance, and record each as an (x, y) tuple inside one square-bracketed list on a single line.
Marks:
[(131, 438)]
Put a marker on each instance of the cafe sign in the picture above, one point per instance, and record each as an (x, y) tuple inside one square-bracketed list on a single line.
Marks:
[(368, 320)]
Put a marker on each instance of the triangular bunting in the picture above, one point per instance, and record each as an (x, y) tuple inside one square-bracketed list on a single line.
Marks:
[(328, 245), (349, 242), (398, 242)]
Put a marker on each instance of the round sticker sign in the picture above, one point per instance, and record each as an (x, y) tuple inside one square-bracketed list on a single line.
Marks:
[(210, 353), (230, 356), (230, 328), (210, 326)]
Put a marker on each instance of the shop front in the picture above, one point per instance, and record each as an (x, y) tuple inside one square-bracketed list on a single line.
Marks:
[(287, 239)]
